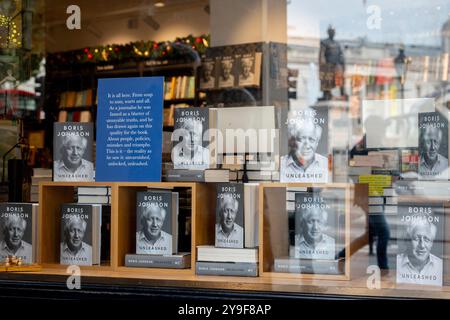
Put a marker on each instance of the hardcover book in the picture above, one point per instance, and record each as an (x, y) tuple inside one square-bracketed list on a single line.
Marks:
[(154, 223), (249, 69), (229, 228), (420, 243), (18, 234), (208, 74), (73, 152), (190, 150), (241, 269), (175, 261), (307, 139), (433, 146), (316, 226), (80, 234), (226, 69)]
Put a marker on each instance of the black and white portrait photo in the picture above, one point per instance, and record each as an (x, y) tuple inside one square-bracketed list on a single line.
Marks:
[(230, 216), (190, 124), (208, 77), (315, 226), (76, 245), (15, 233), (73, 144), (154, 234), (419, 260), (249, 69), (307, 158), (226, 74), (433, 146)]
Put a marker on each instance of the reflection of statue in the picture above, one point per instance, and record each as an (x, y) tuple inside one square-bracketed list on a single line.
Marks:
[(332, 65)]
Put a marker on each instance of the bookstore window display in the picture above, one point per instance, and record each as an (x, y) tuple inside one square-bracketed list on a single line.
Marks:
[(357, 178)]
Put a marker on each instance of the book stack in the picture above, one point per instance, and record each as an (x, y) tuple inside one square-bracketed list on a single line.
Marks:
[(39, 174), (236, 233), (227, 261), (98, 195)]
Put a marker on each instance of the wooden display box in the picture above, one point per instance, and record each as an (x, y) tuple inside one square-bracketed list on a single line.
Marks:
[(124, 223), (274, 227), (51, 196)]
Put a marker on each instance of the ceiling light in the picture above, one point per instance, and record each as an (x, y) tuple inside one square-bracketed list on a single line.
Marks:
[(159, 4)]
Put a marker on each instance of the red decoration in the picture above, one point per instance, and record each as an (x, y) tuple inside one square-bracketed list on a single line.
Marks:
[(86, 50), (155, 45), (198, 40), (90, 56)]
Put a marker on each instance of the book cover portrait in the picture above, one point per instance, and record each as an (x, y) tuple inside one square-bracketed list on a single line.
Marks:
[(433, 146), (230, 215), (153, 222), (420, 244), (307, 158), (73, 152), (16, 231), (315, 227)]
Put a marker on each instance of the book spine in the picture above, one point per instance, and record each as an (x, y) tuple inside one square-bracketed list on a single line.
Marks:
[(227, 269), (154, 261), (295, 266)]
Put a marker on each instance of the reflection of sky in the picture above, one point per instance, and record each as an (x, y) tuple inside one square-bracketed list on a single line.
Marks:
[(409, 22)]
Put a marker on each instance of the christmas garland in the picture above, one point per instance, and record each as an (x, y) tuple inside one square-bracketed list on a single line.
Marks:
[(181, 48)]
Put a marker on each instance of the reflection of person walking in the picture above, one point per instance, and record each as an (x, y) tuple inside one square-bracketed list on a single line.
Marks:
[(379, 228)]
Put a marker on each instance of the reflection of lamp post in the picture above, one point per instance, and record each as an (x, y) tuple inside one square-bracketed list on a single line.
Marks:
[(401, 67)]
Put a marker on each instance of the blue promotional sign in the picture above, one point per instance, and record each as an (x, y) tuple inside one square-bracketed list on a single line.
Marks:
[(129, 129)]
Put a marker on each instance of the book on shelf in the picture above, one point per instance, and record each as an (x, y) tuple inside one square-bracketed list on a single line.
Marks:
[(207, 175), (73, 152), (229, 228), (429, 189), (241, 269), (179, 87), (420, 243), (18, 231), (308, 266), (249, 69), (80, 234), (255, 175), (306, 164), (208, 74), (174, 261), (94, 191), (366, 161), (157, 222), (190, 150), (316, 226), (226, 72), (214, 254), (433, 146), (87, 198), (377, 183)]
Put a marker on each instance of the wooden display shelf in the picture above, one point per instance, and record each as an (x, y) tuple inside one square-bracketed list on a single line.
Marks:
[(123, 226), (51, 196), (123, 222), (274, 231)]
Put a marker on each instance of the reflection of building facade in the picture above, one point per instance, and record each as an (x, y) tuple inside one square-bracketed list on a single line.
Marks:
[(370, 71)]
